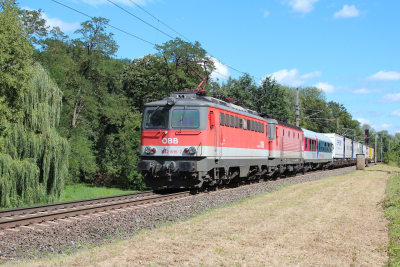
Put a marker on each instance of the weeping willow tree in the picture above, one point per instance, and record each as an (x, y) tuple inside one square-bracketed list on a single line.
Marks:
[(34, 161)]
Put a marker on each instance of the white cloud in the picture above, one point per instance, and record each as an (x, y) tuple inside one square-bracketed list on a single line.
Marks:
[(347, 12), (302, 6), (56, 22), (311, 75), (292, 77), (326, 87), (64, 26), (386, 126), (365, 91), (221, 72), (123, 2), (266, 13), (396, 113), (385, 76), (363, 121), (390, 98)]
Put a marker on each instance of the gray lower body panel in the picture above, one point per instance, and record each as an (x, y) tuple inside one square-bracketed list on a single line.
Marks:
[(192, 172)]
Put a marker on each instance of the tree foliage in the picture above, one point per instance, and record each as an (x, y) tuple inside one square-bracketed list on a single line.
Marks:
[(15, 61), (34, 163), (268, 98)]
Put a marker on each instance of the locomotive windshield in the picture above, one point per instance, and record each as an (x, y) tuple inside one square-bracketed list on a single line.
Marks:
[(156, 118), (185, 118)]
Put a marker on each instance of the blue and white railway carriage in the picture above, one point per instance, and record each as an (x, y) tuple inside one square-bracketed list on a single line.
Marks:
[(338, 148), (321, 157)]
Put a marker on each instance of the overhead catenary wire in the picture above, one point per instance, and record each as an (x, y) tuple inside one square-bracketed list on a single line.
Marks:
[(140, 19), (106, 23), (152, 27), (160, 21)]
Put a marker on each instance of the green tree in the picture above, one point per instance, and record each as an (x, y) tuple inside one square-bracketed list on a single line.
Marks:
[(393, 156), (34, 163), (177, 60), (272, 98), (96, 107), (241, 88), (34, 25), (127, 142), (314, 113), (86, 72), (15, 61), (143, 83)]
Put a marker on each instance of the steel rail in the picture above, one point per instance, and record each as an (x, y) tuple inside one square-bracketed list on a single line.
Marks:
[(72, 204), (63, 214)]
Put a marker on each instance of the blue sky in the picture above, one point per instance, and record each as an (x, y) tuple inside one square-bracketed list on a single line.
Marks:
[(350, 49)]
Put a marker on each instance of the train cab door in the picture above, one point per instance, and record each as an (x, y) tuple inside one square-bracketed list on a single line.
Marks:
[(217, 133), (279, 135), (271, 140)]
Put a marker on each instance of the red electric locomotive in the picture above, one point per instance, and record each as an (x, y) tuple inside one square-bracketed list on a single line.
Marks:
[(190, 141)]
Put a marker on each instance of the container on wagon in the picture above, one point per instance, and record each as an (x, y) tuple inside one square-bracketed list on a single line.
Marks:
[(338, 145)]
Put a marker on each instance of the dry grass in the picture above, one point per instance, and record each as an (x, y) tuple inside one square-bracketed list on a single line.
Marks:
[(336, 221)]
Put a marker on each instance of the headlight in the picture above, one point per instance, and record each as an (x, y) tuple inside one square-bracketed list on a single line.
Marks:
[(149, 150), (190, 150)]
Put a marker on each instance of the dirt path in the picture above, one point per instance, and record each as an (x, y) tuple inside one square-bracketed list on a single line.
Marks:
[(336, 221)]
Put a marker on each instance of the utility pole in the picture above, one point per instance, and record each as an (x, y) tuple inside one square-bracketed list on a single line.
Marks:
[(389, 145), (297, 108), (381, 148), (337, 125), (376, 148)]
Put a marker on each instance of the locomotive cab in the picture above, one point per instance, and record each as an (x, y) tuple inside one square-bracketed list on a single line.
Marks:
[(172, 141)]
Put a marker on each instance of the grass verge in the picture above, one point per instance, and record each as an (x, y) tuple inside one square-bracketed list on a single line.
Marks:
[(392, 212), (394, 163), (84, 191)]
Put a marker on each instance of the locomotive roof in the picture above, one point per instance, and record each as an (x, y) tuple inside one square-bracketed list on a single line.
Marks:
[(190, 98), (289, 125)]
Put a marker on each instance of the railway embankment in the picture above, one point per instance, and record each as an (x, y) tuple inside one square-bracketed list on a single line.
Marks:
[(392, 212), (304, 218)]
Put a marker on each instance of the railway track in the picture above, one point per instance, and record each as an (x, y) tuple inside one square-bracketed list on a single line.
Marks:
[(62, 212), (46, 215)]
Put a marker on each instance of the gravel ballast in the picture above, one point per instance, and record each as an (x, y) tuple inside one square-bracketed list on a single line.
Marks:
[(95, 231)]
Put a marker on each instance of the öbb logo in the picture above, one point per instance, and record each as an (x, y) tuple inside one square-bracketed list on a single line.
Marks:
[(170, 141)]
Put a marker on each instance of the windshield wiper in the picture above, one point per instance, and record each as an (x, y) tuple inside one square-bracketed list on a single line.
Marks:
[(153, 113), (183, 113)]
